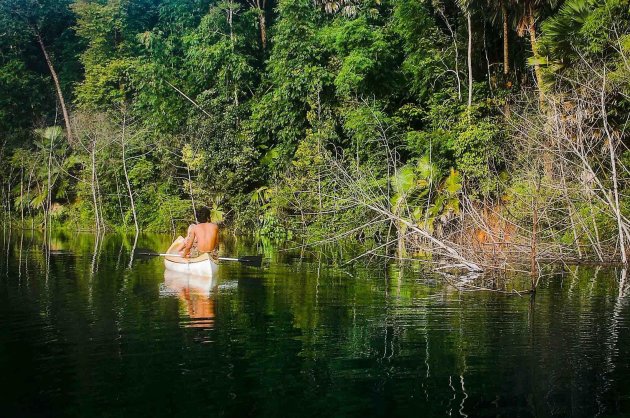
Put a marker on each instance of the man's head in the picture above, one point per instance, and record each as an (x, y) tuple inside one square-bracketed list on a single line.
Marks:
[(203, 215)]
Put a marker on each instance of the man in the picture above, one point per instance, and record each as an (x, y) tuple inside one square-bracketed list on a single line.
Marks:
[(202, 237)]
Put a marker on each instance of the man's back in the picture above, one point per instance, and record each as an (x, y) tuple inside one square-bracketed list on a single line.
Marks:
[(207, 236)]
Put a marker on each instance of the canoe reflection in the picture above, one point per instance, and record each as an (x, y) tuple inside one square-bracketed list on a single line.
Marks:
[(195, 294)]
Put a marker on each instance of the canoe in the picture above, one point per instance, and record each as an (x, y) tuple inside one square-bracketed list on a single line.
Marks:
[(199, 266)]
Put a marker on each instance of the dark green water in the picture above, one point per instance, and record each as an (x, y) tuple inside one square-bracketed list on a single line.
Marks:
[(84, 335)]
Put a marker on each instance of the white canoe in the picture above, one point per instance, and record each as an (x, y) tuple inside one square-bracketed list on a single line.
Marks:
[(199, 266)]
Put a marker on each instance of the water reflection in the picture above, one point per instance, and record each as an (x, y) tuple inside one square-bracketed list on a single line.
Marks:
[(298, 338), (195, 294)]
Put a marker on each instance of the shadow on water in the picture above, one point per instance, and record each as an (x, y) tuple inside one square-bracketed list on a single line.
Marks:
[(86, 330)]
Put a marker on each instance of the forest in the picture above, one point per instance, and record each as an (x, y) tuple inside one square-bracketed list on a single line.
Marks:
[(478, 133)]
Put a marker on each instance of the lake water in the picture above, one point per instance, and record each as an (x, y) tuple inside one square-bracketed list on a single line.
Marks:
[(86, 333)]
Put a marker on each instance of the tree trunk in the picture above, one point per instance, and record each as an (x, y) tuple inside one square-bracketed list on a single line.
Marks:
[(565, 192), (8, 200), (22, 195), (485, 52), (53, 73), (97, 222), (28, 199), (192, 198), (49, 191), (506, 61), (100, 203), (230, 18), (124, 160), (615, 191), (533, 255), (120, 207), (532, 38), (470, 75), (263, 27)]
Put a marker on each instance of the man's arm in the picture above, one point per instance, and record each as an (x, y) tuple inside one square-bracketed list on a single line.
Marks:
[(190, 239)]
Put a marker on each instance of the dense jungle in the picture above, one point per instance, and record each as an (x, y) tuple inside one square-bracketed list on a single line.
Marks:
[(423, 208), (480, 134)]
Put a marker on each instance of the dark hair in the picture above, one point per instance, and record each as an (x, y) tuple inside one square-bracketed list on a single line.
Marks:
[(203, 215)]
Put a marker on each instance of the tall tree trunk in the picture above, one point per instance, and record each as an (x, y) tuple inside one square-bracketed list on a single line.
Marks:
[(470, 75), (263, 26), (192, 197), (506, 51), (8, 200), (613, 165), (53, 73), (125, 171), (531, 28), (97, 221), (259, 7), (49, 191), (533, 255), (100, 203), (22, 195), (28, 199), (485, 52), (120, 207), (230, 18)]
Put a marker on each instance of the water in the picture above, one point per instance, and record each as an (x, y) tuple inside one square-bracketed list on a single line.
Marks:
[(83, 334)]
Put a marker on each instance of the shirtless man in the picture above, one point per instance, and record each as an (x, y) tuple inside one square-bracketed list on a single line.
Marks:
[(202, 237)]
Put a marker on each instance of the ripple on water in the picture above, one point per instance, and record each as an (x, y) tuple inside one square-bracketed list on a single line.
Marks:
[(93, 337)]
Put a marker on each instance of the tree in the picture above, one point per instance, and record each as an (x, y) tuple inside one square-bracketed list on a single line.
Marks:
[(259, 7), (500, 7), (295, 70), (106, 59), (529, 10), (41, 19), (506, 49), (466, 6), (428, 51)]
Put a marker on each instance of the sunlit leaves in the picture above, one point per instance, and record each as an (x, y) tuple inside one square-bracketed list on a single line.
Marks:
[(192, 158)]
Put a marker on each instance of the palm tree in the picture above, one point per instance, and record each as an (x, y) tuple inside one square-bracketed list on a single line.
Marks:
[(529, 9), (561, 34), (500, 7), (506, 51)]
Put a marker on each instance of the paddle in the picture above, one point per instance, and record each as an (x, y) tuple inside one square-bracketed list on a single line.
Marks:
[(249, 260)]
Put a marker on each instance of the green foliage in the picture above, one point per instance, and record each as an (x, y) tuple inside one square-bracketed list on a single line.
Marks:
[(364, 53), (295, 71), (21, 92), (476, 150), (28, 93), (424, 44), (430, 198), (582, 29), (184, 94), (141, 172)]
